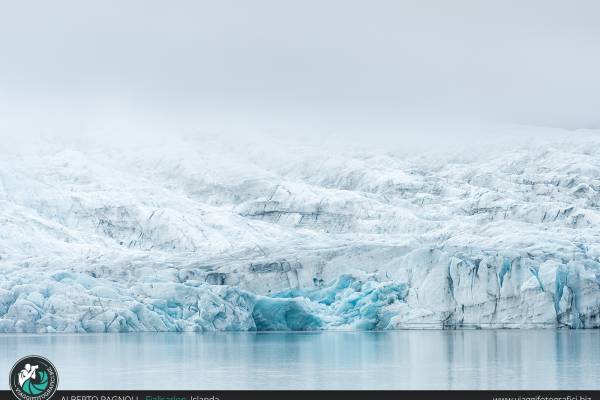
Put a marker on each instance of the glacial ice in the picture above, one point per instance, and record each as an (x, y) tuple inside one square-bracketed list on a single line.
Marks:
[(206, 235)]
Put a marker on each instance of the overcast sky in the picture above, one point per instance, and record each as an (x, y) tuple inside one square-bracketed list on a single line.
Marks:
[(282, 64)]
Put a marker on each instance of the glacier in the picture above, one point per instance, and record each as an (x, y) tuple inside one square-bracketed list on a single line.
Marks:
[(209, 234)]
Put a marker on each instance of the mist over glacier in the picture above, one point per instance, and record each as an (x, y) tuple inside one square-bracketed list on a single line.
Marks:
[(221, 232)]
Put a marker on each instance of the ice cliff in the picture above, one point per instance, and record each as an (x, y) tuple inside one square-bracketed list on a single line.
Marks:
[(209, 235)]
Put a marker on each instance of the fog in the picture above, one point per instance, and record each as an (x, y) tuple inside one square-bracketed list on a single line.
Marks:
[(356, 70)]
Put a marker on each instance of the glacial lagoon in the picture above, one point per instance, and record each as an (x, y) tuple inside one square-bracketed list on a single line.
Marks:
[(407, 359)]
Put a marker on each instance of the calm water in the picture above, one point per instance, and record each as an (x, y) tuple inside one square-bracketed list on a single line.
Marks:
[(500, 359)]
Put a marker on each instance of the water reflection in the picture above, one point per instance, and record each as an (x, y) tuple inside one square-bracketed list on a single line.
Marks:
[(502, 359)]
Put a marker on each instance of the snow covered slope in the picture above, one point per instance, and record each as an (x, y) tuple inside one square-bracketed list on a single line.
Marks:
[(217, 235)]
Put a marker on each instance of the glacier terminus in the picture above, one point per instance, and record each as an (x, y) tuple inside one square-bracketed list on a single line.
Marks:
[(210, 235)]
